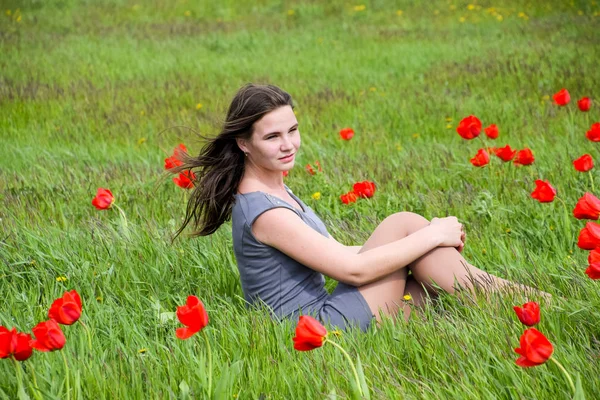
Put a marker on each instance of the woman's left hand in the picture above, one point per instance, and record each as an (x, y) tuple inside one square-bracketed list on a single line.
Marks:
[(463, 239)]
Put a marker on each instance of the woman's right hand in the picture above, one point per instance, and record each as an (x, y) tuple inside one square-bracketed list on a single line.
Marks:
[(449, 231)]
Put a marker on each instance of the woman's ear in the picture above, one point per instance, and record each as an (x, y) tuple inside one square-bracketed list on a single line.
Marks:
[(242, 144)]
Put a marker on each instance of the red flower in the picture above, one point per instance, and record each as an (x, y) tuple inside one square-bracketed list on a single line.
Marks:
[(16, 344), (535, 348), (309, 169), (104, 199), (562, 97), (593, 271), (584, 163), (584, 104), (347, 133), (506, 153), (193, 315), (175, 159), (589, 236), (310, 334), (544, 192), (529, 314), (348, 198), (286, 173), (185, 180), (481, 158), (491, 131), (364, 189), (524, 157), (587, 207), (469, 127), (67, 309), (48, 336), (594, 133), (594, 256)]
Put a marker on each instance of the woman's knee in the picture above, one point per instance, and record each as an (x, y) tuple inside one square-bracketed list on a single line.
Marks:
[(408, 222)]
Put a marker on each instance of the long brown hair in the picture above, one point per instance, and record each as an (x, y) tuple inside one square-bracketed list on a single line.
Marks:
[(220, 165)]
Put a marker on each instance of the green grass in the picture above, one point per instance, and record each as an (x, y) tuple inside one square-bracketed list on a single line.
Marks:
[(88, 90)]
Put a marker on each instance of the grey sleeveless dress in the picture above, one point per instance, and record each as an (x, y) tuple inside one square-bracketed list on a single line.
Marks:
[(289, 288)]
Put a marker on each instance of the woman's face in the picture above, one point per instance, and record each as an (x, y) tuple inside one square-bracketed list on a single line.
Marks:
[(275, 140)]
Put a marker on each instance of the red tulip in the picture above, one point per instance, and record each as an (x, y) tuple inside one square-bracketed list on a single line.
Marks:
[(48, 336), (524, 157), (309, 168), (318, 164), (544, 192), (562, 97), (310, 334), (348, 198), (529, 314), (347, 133), (593, 271), (364, 189), (584, 163), (594, 256), (535, 348), (594, 133), (584, 104), (491, 131), (16, 344), (587, 207), (185, 180), (193, 315), (286, 173), (469, 127), (506, 153), (481, 158), (104, 199), (67, 309), (589, 236)]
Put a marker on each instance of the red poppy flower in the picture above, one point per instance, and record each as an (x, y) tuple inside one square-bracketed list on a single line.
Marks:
[(584, 104), (587, 207), (491, 131), (185, 179), (67, 309), (593, 271), (364, 189), (104, 199), (584, 163), (524, 157), (16, 344), (594, 133), (589, 236), (309, 168), (529, 314), (481, 158), (310, 334), (318, 164), (594, 256), (48, 336), (544, 192), (348, 198), (562, 97), (535, 348), (193, 315), (506, 153), (347, 133), (286, 173), (469, 127)]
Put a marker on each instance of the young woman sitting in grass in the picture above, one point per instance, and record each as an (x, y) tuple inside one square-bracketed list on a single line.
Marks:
[(283, 249)]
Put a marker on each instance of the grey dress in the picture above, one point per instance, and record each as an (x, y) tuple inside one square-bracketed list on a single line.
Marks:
[(289, 288)]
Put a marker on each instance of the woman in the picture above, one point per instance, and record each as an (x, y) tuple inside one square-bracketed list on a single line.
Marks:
[(283, 249)]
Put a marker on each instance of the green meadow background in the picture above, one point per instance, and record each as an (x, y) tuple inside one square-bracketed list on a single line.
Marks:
[(97, 94)]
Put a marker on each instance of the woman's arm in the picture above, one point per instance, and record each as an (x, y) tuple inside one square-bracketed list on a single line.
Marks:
[(354, 249), (285, 231)]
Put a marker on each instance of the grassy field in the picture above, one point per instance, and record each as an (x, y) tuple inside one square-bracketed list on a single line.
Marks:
[(97, 93)]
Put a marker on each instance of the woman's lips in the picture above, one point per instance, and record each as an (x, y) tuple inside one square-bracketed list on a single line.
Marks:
[(287, 158)]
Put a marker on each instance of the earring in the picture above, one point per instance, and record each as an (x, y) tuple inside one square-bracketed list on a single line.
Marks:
[(246, 154)]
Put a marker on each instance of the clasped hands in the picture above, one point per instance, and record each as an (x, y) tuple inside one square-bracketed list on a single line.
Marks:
[(452, 232)]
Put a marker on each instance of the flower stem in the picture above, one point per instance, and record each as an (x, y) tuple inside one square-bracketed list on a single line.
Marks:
[(19, 375), (37, 393), (67, 375), (351, 365), (565, 372), (89, 334), (209, 364), (591, 180)]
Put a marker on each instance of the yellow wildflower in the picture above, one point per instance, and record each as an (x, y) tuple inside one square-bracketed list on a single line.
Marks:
[(448, 126), (483, 251), (579, 12), (499, 17), (99, 299), (361, 7), (61, 279), (336, 332), (291, 12), (462, 19), (508, 230), (142, 351), (399, 12), (415, 135), (141, 140), (142, 113), (448, 119), (187, 13), (546, 97), (198, 106), (32, 262), (551, 227), (470, 7), (372, 89), (316, 196), (18, 18), (8, 12), (407, 297), (398, 147)]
